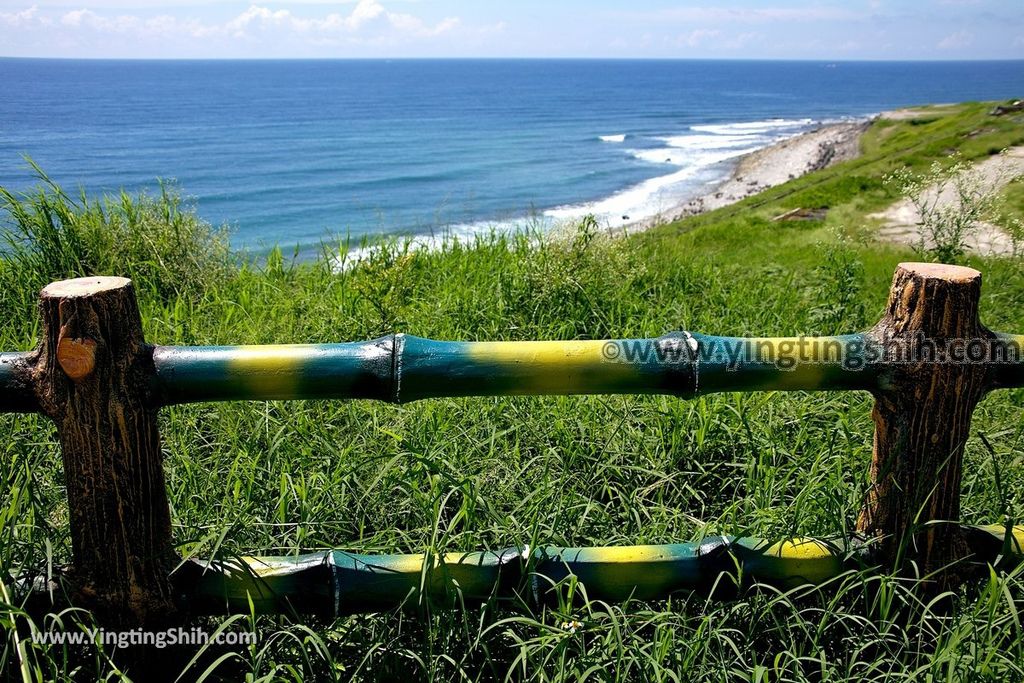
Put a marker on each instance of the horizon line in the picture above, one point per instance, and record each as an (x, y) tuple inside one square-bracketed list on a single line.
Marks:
[(517, 58)]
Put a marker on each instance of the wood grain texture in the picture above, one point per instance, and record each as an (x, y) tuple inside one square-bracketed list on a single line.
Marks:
[(922, 418), (91, 374)]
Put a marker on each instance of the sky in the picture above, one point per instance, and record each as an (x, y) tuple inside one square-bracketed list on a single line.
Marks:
[(772, 29)]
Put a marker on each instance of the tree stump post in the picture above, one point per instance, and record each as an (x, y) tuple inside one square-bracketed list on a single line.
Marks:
[(91, 374), (922, 418)]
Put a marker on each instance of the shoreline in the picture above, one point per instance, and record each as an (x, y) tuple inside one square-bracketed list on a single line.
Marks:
[(767, 167), (750, 174)]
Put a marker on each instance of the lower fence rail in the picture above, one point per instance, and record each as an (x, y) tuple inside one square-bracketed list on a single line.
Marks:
[(335, 582)]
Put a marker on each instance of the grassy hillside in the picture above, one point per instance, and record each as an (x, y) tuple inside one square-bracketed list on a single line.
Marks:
[(460, 474)]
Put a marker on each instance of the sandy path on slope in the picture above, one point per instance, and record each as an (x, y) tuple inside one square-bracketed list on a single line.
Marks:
[(901, 221)]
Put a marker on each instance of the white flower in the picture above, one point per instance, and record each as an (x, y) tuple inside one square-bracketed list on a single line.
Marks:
[(572, 625)]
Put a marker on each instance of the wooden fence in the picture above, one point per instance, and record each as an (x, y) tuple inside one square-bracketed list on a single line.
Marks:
[(927, 362)]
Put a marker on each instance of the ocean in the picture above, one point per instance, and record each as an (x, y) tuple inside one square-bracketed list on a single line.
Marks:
[(295, 152)]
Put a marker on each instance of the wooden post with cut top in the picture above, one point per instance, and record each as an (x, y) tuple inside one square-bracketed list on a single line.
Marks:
[(91, 375), (922, 418)]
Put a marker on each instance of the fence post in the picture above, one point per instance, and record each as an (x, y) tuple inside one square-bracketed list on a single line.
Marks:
[(92, 372), (922, 418)]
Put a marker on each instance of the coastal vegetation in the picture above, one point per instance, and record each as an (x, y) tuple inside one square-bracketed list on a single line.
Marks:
[(462, 474)]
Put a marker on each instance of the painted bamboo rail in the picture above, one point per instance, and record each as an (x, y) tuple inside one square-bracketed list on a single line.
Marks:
[(334, 583), (927, 363), (402, 368)]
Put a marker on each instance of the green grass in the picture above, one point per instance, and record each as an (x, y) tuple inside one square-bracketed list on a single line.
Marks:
[(459, 474)]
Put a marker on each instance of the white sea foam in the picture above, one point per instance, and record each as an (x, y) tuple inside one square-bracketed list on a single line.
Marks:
[(693, 158), (723, 141), (459, 233), (693, 154), (768, 126), (644, 200), (680, 156)]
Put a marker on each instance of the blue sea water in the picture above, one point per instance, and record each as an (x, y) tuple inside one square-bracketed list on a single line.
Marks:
[(291, 152)]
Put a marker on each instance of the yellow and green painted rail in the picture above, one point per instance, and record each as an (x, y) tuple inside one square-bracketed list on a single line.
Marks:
[(401, 368), (335, 582)]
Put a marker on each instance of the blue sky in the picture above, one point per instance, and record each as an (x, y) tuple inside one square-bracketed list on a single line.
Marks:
[(774, 29)]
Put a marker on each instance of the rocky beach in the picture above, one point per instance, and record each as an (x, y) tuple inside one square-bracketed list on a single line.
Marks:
[(773, 165)]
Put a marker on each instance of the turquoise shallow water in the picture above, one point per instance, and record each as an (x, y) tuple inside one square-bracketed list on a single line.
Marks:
[(292, 151)]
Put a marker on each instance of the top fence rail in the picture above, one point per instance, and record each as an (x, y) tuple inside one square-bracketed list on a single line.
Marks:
[(402, 368)]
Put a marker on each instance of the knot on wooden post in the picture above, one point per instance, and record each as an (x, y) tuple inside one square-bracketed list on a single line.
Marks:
[(92, 373), (922, 416), (76, 356)]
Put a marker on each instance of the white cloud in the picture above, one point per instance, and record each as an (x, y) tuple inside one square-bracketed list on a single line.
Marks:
[(365, 11), (741, 41), (75, 18), (170, 6), (715, 39), (366, 15), (367, 22), (955, 41), (19, 18), (697, 36), (406, 23), (722, 15), (265, 18), (87, 18)]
